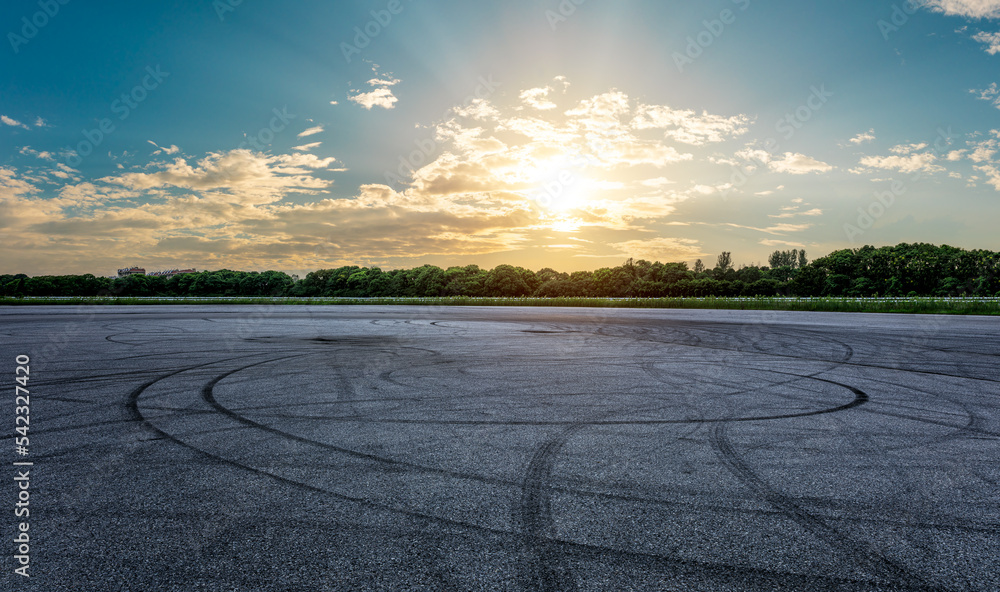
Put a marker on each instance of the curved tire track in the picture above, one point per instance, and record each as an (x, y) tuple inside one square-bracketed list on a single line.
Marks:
[(862, 553)]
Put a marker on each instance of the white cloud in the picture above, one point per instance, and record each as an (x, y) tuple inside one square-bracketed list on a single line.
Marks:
[(163, 149), (601, 113), (777, 229), (689, 127), (18, 211), (479, 109), (984, 152), (966, 8), (28, 151), (992, 175), (782, 228), (864, 137), (792, 214), (798, 164), (11, 122), (538, 98), (380, 97), (239, 176), (39, 122), (474, 194), (754, 155), (770, 242), (990, 93), (708, 189), (770, 191), (990, 40), (907, 148), (595, 143), (656, 183), (923, 162), (311, 131)]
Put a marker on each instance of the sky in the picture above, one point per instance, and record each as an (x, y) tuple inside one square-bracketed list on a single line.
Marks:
[(571, 134)]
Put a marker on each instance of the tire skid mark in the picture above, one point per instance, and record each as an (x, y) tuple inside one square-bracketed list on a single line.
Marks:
[(131, 413), (862, 553), (132, 403), (608, 422), (975, 421), (209, 397), (547, 487), (111, 337), (655, 373), (500, 481), (777, 580), (568, 549), (968, 428), (799, 357), (542, 566)]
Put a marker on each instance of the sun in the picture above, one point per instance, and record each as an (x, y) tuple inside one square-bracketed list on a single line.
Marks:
[(560, 187), (565, 225)]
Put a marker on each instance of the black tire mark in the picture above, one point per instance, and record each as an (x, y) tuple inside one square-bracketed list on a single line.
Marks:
[(789, 356), (773, 579), (609, 422), (542, 567), (209, 397), (460, 475), (862, 553), (969, 428), (549, 488)]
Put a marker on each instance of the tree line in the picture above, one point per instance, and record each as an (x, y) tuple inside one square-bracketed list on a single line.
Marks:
[(902, 270)]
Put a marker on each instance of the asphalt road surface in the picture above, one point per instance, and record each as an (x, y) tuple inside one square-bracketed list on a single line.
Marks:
[(297, 448)]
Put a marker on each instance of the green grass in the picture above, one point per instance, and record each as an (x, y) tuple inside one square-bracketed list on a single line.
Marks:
[(904, 305)]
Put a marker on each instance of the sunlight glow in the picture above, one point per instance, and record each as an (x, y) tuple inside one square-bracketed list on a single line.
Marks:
[(560, 186), (565, 225)]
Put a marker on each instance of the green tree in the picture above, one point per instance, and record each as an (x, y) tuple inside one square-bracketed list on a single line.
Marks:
[(506, 281), (724, 263)]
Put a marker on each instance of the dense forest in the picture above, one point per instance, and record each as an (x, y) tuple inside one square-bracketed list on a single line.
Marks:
[(903, 270)]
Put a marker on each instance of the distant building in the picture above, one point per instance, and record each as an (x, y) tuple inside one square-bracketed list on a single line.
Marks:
[(164, 274), (171, 272)]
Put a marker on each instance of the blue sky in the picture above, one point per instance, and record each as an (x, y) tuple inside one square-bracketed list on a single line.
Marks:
[(263, 135)]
